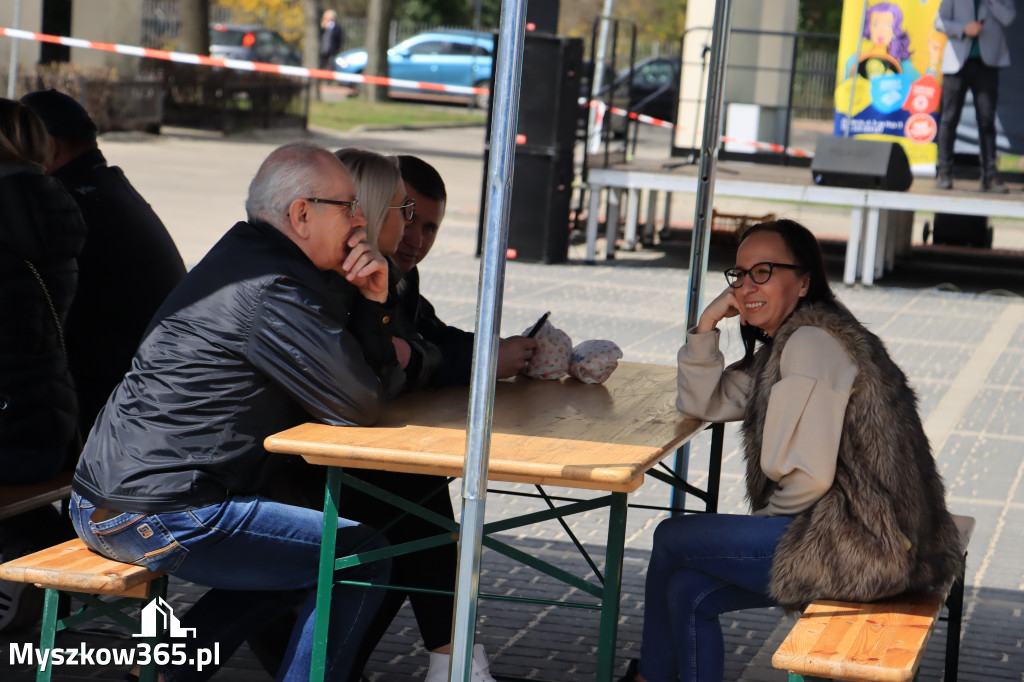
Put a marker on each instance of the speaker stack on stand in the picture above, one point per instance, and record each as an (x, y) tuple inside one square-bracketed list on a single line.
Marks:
[(545, 137)]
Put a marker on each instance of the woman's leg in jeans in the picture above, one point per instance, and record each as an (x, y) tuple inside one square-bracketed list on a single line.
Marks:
[(702, 565), (249, 543)]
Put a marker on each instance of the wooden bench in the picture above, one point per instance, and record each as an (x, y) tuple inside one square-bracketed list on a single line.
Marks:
[(880, 641), (72, 569), (16, 499)]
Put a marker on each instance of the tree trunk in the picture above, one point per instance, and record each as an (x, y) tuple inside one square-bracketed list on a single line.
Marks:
[(313, 9), (378, 20), (194, 37)]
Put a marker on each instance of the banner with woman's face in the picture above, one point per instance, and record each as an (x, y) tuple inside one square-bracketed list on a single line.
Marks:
[(890, 76)]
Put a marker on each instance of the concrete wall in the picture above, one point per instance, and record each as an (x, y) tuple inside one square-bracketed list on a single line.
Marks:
[(110, 21), (27, 50), (743, 83)]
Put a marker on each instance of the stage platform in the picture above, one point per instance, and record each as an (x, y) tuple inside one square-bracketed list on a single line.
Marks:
[(880, 221)]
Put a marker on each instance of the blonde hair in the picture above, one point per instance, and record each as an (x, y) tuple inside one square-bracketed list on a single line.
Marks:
[(23, 137), (376, 177)]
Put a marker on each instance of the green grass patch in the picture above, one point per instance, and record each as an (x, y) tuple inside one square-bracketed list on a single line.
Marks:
[(356, 112)]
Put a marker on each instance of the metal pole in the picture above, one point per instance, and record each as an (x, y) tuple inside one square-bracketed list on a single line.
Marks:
[(597, 80), (12, 69), (505, 102), (706, 182), (856, 68)]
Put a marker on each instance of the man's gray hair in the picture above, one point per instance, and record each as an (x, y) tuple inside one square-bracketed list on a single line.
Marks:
[(294, 171), (376, 177)]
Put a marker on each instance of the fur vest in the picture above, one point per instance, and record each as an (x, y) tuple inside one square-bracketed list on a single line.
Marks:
[(883, 527)]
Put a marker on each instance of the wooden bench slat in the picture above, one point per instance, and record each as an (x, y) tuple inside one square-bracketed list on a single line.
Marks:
[(73, 567), (875, 642), (16, 499)]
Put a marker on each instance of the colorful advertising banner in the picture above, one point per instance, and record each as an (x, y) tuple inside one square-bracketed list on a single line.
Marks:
[(890, 76)]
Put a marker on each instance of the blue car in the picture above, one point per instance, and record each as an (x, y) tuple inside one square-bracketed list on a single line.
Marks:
[(449, 57)]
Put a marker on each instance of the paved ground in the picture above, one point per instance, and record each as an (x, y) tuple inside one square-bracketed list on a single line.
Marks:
[(961, 347)]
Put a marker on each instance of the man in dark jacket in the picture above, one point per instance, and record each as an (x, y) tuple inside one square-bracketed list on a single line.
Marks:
[(129, 262), (285, 320), (425, 186)]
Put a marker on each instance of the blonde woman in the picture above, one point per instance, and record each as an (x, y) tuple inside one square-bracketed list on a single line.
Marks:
[(382, 196)]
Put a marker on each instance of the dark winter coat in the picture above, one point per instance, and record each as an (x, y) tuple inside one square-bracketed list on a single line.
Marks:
[(126, 269), (455, 345), (39, 223), (883, 527)]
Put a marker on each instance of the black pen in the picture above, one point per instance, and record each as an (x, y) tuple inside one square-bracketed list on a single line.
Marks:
[(540, 323)]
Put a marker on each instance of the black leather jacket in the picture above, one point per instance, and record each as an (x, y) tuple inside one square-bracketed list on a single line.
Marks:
[(254, 340), (40, 223)]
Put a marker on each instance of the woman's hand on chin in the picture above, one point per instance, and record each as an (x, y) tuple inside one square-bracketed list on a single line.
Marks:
[(725, 305)]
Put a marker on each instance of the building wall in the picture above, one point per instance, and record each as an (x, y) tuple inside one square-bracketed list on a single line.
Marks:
[(27, 50), (763, 86), (120, 21)]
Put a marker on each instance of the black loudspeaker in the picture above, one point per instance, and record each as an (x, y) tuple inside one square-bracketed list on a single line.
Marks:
[(542, 16), (538, 229), (962, 230), (552, 67), (865, 164)]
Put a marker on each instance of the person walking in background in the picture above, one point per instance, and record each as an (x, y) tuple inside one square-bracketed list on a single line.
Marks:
[(332, 38), (976, 51), (129, 262), (41, 234)]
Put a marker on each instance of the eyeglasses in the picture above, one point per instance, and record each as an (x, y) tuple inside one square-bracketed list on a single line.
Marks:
[(759, 273), (350, 205), (408, 209)]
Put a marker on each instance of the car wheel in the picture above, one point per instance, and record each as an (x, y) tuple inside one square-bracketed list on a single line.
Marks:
[(482, 101)]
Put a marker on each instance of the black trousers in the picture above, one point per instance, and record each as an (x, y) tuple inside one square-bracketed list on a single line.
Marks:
[(432, 569), (983, 82)]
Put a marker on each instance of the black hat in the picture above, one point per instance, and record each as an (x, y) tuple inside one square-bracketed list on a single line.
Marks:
[(62, 115)]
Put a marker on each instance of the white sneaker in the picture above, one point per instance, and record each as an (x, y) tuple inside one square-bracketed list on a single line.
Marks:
[(439, 664)]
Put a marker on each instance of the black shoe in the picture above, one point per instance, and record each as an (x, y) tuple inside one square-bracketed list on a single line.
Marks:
[(944, 181), (993, 185), (632, 675)]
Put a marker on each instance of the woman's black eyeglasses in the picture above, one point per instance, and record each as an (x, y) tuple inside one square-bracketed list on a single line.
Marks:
[(350, 205), (408, 209), (759, 273)]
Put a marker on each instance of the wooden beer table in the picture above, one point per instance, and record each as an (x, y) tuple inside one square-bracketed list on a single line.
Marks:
[(602, 437)]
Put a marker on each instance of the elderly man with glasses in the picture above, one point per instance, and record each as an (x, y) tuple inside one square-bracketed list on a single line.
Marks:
[(284, 321)]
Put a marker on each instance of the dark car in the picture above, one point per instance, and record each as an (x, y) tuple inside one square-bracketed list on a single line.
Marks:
[(251, 43), (652, 91)]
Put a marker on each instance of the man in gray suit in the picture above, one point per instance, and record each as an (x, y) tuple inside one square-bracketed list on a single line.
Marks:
[(975, 53)]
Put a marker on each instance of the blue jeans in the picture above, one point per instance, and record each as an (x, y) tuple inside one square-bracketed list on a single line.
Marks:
[(261, 558), (702, 565)]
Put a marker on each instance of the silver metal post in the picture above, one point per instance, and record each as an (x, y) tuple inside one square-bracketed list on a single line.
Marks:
[(706, 185), (485, 348), (597, 79), (12, 69), (708, 158)]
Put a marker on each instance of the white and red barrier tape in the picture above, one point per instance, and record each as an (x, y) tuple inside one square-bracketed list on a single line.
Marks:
[(324, 74), (238, 64)]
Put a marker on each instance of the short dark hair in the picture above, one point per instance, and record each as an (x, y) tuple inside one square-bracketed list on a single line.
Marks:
[(423, 177), (806, 251)]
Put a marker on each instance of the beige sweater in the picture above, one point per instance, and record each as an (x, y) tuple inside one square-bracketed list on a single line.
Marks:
[(805, 414)]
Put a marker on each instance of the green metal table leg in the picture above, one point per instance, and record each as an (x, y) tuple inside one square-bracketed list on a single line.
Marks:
[(51, 606), (325, 577), (612, 587)]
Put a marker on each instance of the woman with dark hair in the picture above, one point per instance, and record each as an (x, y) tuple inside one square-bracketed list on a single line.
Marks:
[(41, 234), (846, 502)]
